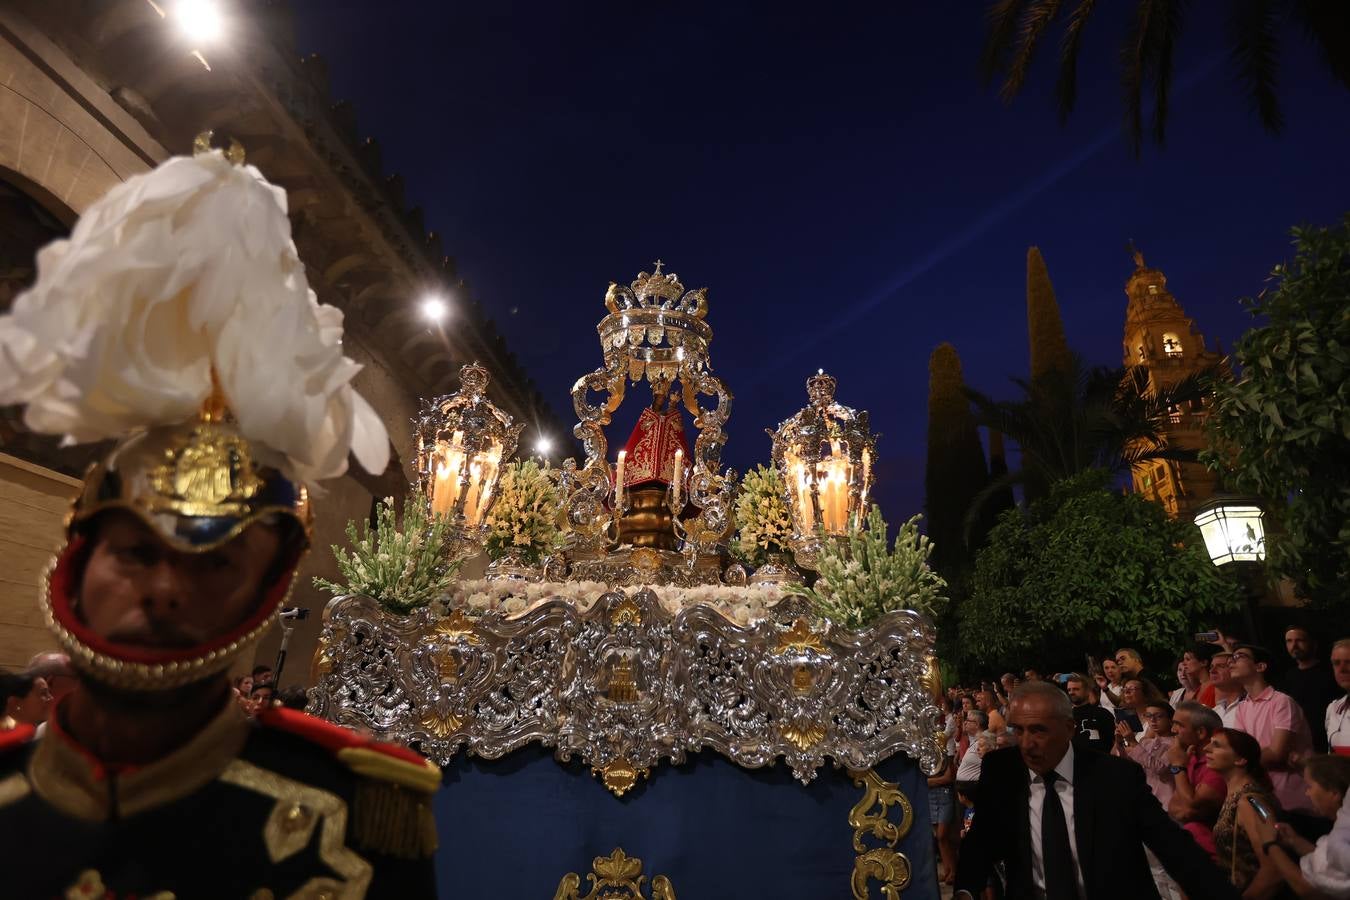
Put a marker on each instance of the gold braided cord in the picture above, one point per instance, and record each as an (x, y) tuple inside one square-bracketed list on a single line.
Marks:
[(393, 820)]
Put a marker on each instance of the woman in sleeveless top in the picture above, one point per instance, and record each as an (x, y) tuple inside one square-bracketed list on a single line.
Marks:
[(1236, 756)]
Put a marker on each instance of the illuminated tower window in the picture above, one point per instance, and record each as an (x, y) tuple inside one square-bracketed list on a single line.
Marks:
[(1153, 289), (1172, 345)]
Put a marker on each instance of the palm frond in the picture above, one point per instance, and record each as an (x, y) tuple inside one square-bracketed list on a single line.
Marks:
[(1137, 57), (996, 486), (1035, 19), (1169, 18), (1102, 417), (1327, 22), (1252, 25), (1137, 456), (1002, 17), (1066, 88)]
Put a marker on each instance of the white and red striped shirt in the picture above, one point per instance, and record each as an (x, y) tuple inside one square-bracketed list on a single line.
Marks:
[(1338, 726)]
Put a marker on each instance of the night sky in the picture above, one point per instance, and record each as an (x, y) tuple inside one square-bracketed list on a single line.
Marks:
[(839, 178)]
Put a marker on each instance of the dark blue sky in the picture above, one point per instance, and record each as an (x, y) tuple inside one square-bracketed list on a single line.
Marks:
[(838, 178)]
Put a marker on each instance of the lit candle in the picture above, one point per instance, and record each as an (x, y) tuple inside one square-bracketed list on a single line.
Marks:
[(866, 483), (485, 473), (618, 482), (449, 463), (475, 486), (678, 479), (832, 480), (801, 481)]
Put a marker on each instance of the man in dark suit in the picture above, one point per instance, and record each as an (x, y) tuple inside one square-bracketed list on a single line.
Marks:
[(1072, 826)]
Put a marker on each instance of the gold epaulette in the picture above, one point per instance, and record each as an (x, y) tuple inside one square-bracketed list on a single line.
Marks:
[(391, 812)]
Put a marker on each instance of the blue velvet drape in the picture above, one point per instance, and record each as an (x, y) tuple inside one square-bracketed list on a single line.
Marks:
[(512, 828)]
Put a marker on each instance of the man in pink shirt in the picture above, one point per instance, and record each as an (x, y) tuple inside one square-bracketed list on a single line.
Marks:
[(1277, 723)]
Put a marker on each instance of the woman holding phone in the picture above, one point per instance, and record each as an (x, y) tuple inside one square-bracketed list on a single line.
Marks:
[(1236, 757)]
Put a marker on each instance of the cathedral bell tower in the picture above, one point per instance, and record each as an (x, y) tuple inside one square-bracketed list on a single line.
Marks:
[(1159, 336)]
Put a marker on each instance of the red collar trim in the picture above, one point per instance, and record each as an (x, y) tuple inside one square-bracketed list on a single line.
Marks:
[(97, 767), (63, 579)]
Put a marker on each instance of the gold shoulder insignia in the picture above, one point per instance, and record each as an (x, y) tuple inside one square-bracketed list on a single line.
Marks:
[(391, 812)]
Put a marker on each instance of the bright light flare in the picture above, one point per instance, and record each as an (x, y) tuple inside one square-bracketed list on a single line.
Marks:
[(200, 21), (543, 446), (435, 309)]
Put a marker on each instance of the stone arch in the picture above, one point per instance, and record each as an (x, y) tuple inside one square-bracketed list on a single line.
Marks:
[(49, 156)]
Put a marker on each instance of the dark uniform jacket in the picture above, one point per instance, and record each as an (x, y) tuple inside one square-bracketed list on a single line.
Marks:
[(287, 806), (1115, 816)]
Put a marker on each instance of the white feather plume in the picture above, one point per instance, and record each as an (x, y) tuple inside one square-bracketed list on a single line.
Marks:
[(184, 268)]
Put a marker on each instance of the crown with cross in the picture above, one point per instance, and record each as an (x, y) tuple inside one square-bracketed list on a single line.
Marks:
[(663, 285), (657, 290), (656, 322)]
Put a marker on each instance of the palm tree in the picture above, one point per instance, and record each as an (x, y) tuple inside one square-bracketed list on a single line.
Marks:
[(1087, 418), (1016, 28)]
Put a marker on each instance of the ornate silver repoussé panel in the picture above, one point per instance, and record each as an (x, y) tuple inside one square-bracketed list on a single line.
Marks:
[(625, 685)]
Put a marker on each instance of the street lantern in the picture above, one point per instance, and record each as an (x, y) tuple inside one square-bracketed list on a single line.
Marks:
[(462, 441), (1233, 528), (825, 456)]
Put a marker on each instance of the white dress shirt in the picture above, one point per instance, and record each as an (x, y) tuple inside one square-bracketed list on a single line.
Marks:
[(1064, 790)]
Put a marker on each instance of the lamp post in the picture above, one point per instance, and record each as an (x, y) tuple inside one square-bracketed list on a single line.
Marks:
[(462, 440), (824, 455), (1234, 530)]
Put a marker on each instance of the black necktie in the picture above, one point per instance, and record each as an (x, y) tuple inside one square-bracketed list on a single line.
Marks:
[(1056, 855)]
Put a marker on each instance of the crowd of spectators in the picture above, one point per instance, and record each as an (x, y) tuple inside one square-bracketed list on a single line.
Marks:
[(1253, 766), (258, 691)]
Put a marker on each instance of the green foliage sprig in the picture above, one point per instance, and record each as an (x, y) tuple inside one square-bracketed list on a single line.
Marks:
[(403, 568), (524, 518), (862, 579), (1282, 430), (762, 517)]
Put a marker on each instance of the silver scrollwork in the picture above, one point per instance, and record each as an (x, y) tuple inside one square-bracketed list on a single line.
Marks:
[(625, 685)]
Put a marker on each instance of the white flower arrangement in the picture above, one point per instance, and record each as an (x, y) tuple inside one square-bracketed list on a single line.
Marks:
[(524, 519), (402, 569), (861, 580), (742, 605), (762, 516)]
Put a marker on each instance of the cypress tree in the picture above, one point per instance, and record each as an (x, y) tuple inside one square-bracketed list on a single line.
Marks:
[(1045, 328), (956, 469), (1051, 359)]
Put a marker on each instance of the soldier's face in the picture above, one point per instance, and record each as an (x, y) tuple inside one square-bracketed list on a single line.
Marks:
[(139, 591)]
